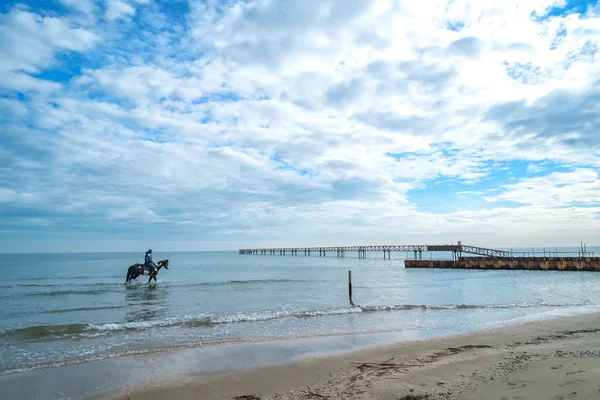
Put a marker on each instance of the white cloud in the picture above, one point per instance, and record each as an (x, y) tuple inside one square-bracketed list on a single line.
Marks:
[(10, 196), (146, 85), (28, 44), (85, 6), (28, 41), (118, 9), (556, 189)]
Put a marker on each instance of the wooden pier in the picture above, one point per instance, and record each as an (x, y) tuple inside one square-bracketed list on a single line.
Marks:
[(417, 249)]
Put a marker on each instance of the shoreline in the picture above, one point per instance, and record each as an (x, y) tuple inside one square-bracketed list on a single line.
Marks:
[(245, 341), (494, 363), (124, 376), (397, 334), (202, 368), (93, 379)]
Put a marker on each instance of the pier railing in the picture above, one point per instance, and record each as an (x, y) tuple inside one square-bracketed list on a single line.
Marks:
[(456, 249)]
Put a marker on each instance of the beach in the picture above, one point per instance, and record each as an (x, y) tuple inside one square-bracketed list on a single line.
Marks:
[(552, 359)]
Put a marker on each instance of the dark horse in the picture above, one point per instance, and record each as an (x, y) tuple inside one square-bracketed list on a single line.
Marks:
[(140, 269)]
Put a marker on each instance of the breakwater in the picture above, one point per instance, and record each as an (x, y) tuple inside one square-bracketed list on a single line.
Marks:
[(514, 263)]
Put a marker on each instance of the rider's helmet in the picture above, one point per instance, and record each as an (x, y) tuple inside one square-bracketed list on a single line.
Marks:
[(149, 250)]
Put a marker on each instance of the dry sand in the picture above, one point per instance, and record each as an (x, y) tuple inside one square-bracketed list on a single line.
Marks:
[(554, 360)]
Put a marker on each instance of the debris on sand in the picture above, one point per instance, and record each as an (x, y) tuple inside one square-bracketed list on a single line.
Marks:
[(414, 397)]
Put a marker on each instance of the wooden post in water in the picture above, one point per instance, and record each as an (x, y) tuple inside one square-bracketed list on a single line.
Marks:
[(350, 286)]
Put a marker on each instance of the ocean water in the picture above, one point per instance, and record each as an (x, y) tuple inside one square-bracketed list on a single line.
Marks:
[(60, 309)]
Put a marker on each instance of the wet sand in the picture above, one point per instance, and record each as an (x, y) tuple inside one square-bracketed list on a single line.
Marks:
[(557, 359)]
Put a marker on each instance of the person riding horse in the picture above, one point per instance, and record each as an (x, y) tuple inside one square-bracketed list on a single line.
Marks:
[(149, 267), (149, 263)]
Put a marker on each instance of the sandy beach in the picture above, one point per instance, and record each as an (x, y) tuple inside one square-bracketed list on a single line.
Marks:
[(555, 359)]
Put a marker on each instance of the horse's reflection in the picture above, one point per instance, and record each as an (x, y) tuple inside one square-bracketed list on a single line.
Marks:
[(145, 302)]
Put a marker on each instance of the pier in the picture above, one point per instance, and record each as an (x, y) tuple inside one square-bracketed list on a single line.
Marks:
[(418, 249), (477, 257)]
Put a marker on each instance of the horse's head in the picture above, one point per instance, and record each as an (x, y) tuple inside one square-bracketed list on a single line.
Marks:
[(164, 263)]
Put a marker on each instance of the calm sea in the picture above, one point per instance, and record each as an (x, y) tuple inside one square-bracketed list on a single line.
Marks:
[(65, 308)]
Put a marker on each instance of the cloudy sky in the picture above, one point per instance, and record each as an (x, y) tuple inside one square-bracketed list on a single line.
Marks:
[(210, 125)]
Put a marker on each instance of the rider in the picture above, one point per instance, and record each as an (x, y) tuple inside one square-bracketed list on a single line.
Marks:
[(148, 261)]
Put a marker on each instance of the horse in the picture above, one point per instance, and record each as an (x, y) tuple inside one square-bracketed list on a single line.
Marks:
[(140, 269)]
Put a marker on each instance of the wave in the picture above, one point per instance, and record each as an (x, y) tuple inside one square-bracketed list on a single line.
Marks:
[(451, 306), (68, 292), (75, 331), (104, 287), (79, 309), (51, 278), (50, 285), (237, 282)]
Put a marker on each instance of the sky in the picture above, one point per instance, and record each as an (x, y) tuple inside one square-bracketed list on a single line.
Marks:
[(218, 125)]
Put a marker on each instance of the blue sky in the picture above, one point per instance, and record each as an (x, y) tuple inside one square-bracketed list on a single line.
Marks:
[(208, 125)]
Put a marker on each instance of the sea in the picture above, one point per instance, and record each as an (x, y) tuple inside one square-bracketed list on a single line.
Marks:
[(62, 309)]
